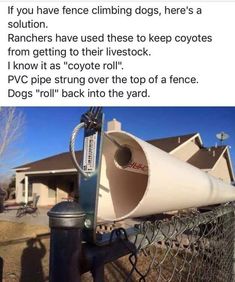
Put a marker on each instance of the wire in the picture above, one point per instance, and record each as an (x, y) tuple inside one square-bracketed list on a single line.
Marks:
[(72, 150)]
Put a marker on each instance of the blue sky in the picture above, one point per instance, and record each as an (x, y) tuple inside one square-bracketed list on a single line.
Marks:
[(48, 129)]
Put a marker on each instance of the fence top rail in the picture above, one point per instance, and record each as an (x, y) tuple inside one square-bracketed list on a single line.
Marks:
[(150, 232)]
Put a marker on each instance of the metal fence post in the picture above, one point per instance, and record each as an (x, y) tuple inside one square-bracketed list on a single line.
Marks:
[(1, 269), (66, 222)]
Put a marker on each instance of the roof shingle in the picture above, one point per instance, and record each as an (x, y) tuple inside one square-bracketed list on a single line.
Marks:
[(56, 162), (206, 158), (170, 143)]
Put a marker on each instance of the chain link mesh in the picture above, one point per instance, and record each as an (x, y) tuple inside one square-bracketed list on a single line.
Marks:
[(190, 247)]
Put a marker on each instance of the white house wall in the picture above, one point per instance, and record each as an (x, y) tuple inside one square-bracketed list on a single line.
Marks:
[(37, 187), (20, 176), (44, 200), (221, 170), (185, 152)]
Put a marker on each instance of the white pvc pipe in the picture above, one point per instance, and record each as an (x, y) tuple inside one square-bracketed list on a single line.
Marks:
[(152, 181)]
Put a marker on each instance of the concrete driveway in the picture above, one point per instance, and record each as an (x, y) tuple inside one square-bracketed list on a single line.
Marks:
[(39, 218)]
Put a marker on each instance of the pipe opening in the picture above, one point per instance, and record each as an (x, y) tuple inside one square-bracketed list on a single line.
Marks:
[(124, 177), (123, 156)]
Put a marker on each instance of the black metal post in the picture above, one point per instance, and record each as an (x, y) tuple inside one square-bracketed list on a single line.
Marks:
[(1, 269), (66, 221), (98, 271), (95, 257)]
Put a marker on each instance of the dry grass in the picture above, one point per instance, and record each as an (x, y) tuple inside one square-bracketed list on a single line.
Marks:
[(13, 230)]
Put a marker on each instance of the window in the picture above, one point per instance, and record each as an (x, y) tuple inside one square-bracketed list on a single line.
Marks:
[(30, 189)]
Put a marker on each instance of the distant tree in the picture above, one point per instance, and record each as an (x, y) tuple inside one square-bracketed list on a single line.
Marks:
[(7, 184), (10, 187), (12, 182), (11, 127)]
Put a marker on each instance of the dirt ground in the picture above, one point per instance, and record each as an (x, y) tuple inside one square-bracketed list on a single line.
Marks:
[(24, 249)]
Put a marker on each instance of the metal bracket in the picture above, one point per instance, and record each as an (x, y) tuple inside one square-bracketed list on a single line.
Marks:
[(89, 173), (89, 186)]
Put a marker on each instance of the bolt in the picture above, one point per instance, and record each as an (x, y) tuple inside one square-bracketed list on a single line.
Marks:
[(88, 223)]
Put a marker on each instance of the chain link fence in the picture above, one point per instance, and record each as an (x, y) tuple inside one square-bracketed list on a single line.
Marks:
[(194, 246)]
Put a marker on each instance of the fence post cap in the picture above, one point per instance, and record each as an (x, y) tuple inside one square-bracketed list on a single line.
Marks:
[(66, 215)]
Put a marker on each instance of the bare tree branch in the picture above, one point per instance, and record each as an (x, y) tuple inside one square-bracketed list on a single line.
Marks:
[(11, 127)]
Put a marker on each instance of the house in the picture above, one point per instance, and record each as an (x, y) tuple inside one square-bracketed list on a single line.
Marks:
[(215, 160), (55, 178)]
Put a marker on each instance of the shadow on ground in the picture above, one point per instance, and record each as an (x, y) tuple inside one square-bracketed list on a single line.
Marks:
[(31, 261)]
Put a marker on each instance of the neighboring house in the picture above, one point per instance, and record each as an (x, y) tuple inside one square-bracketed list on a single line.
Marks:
[(189, 148), (55, 178)]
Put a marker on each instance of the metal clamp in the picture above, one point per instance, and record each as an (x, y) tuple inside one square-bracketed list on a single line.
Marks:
[(89, 120)]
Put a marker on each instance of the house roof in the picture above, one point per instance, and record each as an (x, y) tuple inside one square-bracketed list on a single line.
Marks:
[(57, 162), (206, 158), (171, 143)]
